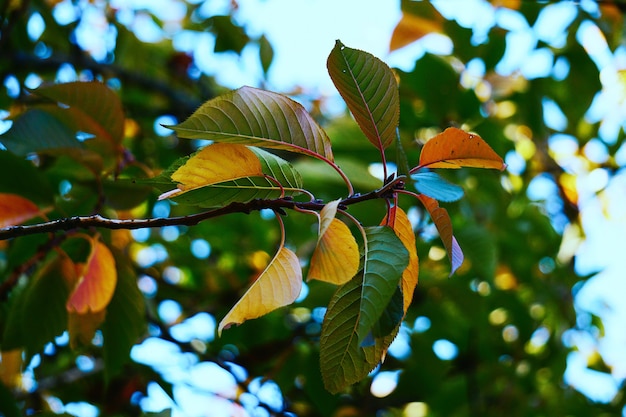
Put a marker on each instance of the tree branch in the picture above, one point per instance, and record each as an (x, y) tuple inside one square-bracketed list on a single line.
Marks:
[(98, 221)]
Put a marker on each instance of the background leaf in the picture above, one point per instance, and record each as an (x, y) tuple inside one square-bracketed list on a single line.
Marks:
[(277, 286), (96, 285), (369, 89), (250, 116), (432, 185), (15, 209), (455, 148)]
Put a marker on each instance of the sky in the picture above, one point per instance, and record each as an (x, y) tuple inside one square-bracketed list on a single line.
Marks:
[(302, 33)]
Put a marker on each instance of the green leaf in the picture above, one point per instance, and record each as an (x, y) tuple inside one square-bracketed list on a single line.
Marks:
[(255, 117), (8, 404), (37, 130), (228, 36), (385, 258), (266, 53), (124, 323), (96, 108), (343, 361), (39, 312), (391, 317), (26, 179), (432, 185), (369, 89), (247, 189)]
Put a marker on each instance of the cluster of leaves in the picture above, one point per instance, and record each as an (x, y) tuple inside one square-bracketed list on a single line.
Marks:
[(376, 276)]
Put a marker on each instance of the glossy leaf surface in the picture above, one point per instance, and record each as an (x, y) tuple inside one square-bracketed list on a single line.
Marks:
[(250, 116), (369, 89)]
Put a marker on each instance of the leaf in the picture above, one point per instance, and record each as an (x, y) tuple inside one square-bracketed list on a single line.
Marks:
[(412, 27), (266, 53), (124, 324), (343, 360), (369, 88), (277, 286), (442, 221), (336, 256), (82, 327), (15, 209), (26, 179), (216, 163), (96, 284), (402, 227), (432, 185), (385, 258), (36, 131), (455, 148), (250, 116), (96, 108), (244, 189)]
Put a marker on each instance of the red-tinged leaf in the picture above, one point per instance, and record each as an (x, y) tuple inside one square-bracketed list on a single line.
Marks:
[(336, 257), (369, 88), (250, 116), (404, 230), (455, 148), (15, 209), (442, 221), (412, 27), (219, 162), (277, 286), (96, 283)]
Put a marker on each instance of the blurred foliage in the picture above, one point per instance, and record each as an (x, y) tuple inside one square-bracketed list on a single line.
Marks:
[(505, 311)]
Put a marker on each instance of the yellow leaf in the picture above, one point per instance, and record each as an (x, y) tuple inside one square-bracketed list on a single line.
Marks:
[(82, 327), (15, 209), (411, 28), (96, 283), (11, 368), (336, 257), (215, 163), (277, 286), (404, 230), (455, 148)]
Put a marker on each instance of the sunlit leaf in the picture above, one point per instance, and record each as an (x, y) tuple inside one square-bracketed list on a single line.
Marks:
[(15, 209), (402, 227), (277, 286), (10, 369), (385, 259), (241, 190), (369, 89), (432, 185), (219, 162), (455, 148), (96, 284), (336, 256), (250, 116), (412, 27), (442, 221)]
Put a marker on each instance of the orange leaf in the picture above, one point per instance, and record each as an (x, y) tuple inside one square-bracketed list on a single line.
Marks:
[(96, 283), (11, 368), (442, 221), (279, 285), (411, 28), (455, 148), (404, 230), (216, 163), (336, 257), (15, 209)]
